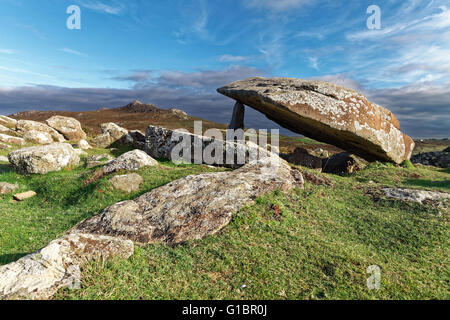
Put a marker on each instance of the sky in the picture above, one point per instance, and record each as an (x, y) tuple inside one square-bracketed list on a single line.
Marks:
[(176, 53)]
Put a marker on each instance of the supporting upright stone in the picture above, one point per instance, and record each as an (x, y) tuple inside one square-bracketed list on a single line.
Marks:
[(237, 121)]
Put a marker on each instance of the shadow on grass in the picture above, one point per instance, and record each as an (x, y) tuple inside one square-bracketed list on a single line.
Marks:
[(6, 168), (12, 257), (445, 184)]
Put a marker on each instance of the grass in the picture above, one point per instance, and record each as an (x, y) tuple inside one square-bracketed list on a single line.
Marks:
[(315, 243)]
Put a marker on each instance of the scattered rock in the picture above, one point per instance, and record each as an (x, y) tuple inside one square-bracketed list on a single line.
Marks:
[(317, 179), (160, 143), (342, 163), (3, 159), (38, 137), (24, 195), (97, 160), (301, 157), (115, 132), (193, 207), (6, 188), (127, 183), (102, 141), (319, 152), (27, 125), (130, 161), (440, 159), (327, 113), (70, 128), (41, 274), (8, 122), (84, 145), (415, 195), (179, 113), (44, 159), (11, 140)]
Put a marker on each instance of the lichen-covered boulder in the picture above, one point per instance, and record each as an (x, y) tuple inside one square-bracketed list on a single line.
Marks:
[(11, 140), (116, 132), (103, 140), (192, 207), (38, 137), (327, 113), (44, 159), (130, 161), (84, 145), (6, 187), (70, 128), (40, 275), (127, 182), (27, 125)]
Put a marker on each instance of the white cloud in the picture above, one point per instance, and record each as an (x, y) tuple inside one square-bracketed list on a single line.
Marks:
[(74, 52), (99, 6), (231, 58)]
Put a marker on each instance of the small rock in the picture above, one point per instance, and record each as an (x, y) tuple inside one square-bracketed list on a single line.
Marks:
[(11, 140), (414, 195), (96, 160), (84, 145), (3, 159), (131, 161), (25, 195), (128, 183), (6, 188)]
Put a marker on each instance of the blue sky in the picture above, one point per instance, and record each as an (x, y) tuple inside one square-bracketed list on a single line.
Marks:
[(175, 53)]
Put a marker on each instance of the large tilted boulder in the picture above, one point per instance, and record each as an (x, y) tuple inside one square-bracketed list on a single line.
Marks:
[(161, 143), (8, 122), (70, 128), (27, 125), (41, 274), (111, 133), (116, 132), (44, 159), (192, 207), (327, 113)]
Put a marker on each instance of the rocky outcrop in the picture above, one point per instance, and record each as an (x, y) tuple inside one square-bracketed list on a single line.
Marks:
[(127, 183), (192, 207), (327, 113), (44, 159), (161, 143), (440, 159), (412, 195), (130, 161), (179, 113), (11, 140), (70, 128), (343, 163), (27, 125), (38, 137), (8, 122), (301, 157), (41, 274), (7, 131)]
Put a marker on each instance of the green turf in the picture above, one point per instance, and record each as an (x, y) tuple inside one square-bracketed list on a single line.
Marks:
[(315, 243)]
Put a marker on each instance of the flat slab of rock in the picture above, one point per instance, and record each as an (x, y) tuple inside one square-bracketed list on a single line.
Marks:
[(24, 195), (41, 274), (44, 159), (6, 187), (27, 125), (130, 161), (327, 113), (11, 140), (413, 195), (127, 183), (193, 207), (70, 128)]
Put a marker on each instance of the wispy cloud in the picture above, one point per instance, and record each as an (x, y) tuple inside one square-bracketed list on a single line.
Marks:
[(99, 6), (74, 52), (277, 5), (231, 58)]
